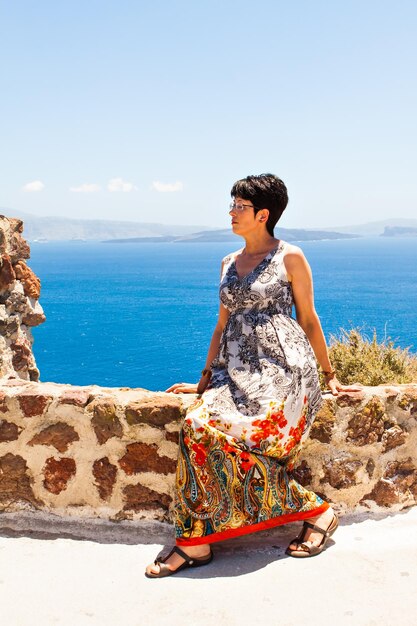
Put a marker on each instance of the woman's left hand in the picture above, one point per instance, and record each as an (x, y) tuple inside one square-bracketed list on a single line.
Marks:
[(182, 388), (335, 386)]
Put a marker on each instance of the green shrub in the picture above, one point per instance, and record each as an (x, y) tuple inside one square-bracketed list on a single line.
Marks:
[(358, 359)]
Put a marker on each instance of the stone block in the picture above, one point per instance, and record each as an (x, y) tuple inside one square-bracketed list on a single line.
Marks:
[(76, 397), (398, 484), (323, 424), (384, 494), (33, 373), (22, 355), (144, 457), (393, 437), (105, 422), (105, 474), (59, 435), (404, 475), (31, 283), (32, 403), (349, 398), (140, 498), (9, 431), (7, 273), (154, 410), (17, 301), (408, 401), (368, 424), (302, 474), (341, 473), (9, 325), (34, 318), (57, 473), (15, 482)]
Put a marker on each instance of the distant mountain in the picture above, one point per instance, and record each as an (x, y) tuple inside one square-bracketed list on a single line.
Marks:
[(65, 228), (374, 229), (53, 228), (399, 231), (289, 234), (20, 214)]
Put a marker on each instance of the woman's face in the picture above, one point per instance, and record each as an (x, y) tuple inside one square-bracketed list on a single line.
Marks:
[(245, 220)]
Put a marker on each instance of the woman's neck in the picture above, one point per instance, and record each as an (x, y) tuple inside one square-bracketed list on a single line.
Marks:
[(255, 246)]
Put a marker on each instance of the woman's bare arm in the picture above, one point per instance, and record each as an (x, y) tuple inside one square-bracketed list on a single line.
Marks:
[(299, 273)]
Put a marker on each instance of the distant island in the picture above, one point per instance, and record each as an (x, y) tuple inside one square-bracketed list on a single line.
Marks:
[(206, 236), (376, 229), (44, 229), (399, 231), (41, 229)]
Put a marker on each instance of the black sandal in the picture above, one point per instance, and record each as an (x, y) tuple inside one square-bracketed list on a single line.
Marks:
[(312, 550), (189, 562)]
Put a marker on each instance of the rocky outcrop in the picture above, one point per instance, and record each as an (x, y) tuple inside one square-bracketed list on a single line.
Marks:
[(19, 306)]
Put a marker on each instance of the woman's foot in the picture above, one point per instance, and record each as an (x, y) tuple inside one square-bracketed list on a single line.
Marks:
[(175, 560), (313, 537)]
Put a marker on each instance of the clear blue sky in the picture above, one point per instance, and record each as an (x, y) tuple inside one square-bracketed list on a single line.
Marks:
[(149, 111)]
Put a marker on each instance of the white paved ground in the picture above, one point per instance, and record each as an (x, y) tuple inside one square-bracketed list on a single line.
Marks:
[(366, 577)]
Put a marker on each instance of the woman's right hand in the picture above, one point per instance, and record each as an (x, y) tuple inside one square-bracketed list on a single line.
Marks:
[(182, 388)]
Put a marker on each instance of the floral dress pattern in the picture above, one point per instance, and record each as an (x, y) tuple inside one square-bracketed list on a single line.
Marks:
[(241, 438)]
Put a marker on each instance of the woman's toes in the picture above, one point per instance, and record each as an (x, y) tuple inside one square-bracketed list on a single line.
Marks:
[(152, 569)]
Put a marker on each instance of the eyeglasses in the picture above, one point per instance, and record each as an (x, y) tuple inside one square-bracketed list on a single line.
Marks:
[(240, 207)]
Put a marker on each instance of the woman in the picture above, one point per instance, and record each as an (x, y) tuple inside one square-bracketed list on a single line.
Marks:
[(259, 394)]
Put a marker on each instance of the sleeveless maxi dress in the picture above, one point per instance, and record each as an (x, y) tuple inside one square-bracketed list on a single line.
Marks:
[(241, 438)]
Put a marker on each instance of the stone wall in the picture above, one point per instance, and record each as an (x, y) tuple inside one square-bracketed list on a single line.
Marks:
[(94, 452), (87, 451), (19, 306)]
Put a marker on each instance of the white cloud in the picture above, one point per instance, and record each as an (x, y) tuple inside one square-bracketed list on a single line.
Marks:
[(118, 184), (35, 185), (167, 187), (86, 188)]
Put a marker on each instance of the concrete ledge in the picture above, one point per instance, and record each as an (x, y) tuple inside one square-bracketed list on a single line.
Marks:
[(43, 525)]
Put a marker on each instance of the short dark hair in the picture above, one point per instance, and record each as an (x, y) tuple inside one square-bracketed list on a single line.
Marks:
[(265, 191)]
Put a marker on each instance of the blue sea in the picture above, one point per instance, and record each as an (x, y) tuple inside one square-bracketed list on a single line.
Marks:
[(142, 315)]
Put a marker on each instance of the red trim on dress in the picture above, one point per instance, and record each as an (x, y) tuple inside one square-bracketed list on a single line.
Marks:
[(252, 528)]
